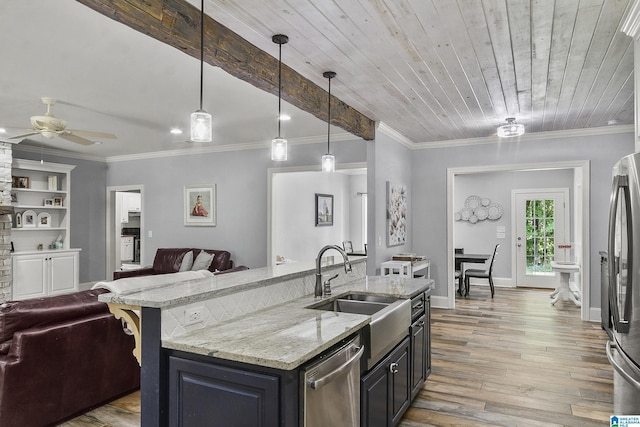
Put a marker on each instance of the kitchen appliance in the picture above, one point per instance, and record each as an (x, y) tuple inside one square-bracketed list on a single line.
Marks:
[(331, 394), (623, 350)]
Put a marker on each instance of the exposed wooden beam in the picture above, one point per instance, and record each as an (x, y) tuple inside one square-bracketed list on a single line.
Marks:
[(177, 23)]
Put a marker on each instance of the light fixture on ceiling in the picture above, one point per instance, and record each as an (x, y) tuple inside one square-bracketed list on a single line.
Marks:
[(176, 131), (329, 160), (511, 128), (200, 119), (279, 144)]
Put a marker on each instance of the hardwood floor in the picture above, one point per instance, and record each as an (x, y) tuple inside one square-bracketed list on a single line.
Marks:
[(515, 360)]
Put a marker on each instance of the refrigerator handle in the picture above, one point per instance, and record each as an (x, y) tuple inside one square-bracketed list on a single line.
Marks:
[(634, 382), (620, 182)]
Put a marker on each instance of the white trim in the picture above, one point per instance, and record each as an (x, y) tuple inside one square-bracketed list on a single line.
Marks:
[(584, 209), (111, 225), (567, 219), (440, 302), (595, 314), (395, 135), (631, 22), (536, 136)]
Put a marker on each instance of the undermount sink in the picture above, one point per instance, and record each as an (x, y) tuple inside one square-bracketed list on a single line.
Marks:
[(390, 319)]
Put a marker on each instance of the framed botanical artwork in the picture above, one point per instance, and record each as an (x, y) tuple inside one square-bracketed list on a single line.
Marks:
[(324, 209), (396, 214), (200, 205)]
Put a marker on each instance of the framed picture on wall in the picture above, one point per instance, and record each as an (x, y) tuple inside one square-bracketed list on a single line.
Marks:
[(396, 214), (324, 209), (200, 205)]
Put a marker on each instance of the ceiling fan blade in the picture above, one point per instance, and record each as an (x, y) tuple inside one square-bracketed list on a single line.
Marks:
[(24, 135), (91, 134), (75, 138)]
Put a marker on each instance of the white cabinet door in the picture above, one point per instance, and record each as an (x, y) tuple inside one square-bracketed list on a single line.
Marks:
[(133, 202), (126, 249), (44, 274), (29, 277), (63, 273)]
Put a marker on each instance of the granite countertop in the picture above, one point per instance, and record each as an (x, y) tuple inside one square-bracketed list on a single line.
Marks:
[(287, 335), (173, 294)]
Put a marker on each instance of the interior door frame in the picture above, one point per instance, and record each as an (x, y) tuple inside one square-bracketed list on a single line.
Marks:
[(581, 186), (514, 216), (111, 225)]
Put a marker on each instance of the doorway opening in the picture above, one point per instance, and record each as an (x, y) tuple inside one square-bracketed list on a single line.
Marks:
[(579, 221), (541, 219), (125, 228)]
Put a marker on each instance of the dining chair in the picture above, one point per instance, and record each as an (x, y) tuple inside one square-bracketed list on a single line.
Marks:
[(458, 269), (482, 274)]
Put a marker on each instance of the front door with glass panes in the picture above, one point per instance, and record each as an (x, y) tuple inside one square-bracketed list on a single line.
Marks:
[(540, 224)]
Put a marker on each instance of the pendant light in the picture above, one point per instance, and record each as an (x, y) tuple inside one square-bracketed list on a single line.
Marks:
[(328, 160), (200, 119), (279, 144), (511, 128)]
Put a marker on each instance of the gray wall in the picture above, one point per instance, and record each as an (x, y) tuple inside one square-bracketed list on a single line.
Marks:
[(241, 179), (387, 161), (430, 188), (496, 186)]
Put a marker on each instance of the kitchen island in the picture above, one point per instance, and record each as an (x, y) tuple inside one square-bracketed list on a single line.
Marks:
[(272, 334)]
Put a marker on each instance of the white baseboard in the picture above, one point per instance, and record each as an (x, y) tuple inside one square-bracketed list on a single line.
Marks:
[(595, 314), (440, 302)]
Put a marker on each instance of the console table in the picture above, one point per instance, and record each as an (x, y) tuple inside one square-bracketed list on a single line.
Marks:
[(406, 268)]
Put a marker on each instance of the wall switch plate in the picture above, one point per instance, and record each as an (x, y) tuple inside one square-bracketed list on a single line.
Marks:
[(193, 315), (150, 233)]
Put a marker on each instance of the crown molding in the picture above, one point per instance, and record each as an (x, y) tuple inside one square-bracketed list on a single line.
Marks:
[(59, 153), (631, 23), (187, 151), (533, 136), (395, 135)]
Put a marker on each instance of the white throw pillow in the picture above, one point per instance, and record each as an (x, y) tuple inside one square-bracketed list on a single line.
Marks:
[(187, 262), (202, 261)]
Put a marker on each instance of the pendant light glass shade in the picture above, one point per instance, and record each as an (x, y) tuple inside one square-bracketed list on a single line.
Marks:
[(201, 122), (328, 160), (279, 149), (201, 126), (328, 163), (511, 128), (279, 144)]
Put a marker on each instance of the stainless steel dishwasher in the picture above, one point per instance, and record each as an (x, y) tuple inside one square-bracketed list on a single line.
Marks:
[(332, 388)]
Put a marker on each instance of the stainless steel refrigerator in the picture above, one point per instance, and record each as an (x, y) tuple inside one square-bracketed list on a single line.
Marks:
[(623, 349)]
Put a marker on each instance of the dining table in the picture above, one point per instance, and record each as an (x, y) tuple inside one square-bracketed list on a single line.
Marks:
[(468, 258)]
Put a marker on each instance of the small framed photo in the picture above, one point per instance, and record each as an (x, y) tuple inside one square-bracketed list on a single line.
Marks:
[(20, 182), (200, 205), (29, 219), (48, 202), (324, 209), (57, 201), (44, 219)]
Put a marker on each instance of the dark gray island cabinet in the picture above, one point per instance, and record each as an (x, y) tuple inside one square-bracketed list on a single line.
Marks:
[(204, 390)]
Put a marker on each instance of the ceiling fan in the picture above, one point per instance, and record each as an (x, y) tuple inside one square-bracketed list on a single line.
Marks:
[(49, 126)]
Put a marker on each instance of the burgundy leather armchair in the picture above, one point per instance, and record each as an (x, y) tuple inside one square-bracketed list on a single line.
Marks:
[(169, 260), (61, 356)]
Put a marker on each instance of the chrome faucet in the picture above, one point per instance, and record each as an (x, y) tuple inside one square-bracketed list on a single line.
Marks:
[(347, 269)]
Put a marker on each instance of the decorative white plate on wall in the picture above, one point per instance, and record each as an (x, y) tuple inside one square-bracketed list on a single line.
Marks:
[(481, 213), (495, 211), (457, 216), (472, 202), (473, 219), (466, 213)]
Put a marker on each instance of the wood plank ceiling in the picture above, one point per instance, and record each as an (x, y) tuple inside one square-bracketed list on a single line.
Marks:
[(439, 70)]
